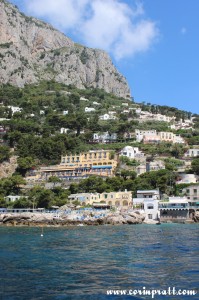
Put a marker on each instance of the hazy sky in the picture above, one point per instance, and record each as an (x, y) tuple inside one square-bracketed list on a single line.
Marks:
[(153, 43)]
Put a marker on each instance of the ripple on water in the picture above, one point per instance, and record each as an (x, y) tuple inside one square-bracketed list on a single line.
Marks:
[(84, 262)]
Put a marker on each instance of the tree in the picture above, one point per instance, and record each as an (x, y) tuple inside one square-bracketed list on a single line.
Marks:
[(25, 164), (195, 165), (41, 197), (79, 122), (22, 203), (17, 182), (54, 179), (4, 153)]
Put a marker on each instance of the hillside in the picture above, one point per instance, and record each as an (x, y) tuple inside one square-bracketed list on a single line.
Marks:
[(31, 51), (40, 123)]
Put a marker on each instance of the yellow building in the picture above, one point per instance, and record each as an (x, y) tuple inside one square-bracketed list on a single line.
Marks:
[(99, 162), (110, 199), (79, 166)]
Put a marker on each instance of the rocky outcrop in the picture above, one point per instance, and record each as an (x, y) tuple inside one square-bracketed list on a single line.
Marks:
[(86, 218), (31, 50), (7, 168)]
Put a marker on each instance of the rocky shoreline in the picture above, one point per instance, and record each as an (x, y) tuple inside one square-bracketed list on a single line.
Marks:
[(85, 218), (82, 218)]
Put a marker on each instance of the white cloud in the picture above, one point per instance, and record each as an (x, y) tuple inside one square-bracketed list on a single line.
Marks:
[(112, 25)]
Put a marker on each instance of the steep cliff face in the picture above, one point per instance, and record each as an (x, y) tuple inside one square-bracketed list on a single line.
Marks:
[(31, 50)]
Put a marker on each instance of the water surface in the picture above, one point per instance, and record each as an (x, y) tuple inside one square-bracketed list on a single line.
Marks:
[(85, 262)]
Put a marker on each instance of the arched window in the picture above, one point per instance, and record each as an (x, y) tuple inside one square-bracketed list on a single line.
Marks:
[(125, 203)]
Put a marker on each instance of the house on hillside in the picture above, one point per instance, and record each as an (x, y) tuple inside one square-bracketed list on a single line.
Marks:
[(107, 117), (89, 109), (131, 152), (104, 137), (15, 109), (152, 136), (192, 152)]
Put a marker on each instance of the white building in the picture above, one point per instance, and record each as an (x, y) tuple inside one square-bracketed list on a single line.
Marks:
[(89, 109), (151, 209), (152, 136), (15, 109), (65, 112), (141, 134), (106, 117), (145, 194), (155, 165), (104, 137), (192, 153), (187, 178), (164, 118), (83, 99), (192, 193), (64, 130), (14, 198), (131, 152), (175, 209), (147, 201), (178, 140)]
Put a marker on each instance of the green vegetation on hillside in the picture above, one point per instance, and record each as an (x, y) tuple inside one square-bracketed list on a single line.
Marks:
[(34, 135)]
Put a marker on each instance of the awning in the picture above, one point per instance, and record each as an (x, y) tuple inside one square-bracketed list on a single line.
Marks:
[(101, 167)]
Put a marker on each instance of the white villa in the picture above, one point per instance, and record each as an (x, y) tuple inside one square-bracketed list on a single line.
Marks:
[(106, 117), (65, 112), (104, 137), (147, 201), (131, 152), (152, 136), (192, 153), (15, 109), (89, 109)]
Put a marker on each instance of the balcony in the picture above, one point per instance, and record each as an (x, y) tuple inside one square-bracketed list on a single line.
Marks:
[(171, 206)]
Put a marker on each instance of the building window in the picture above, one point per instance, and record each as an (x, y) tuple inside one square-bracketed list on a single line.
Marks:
[(188, 191), (105, 196), (150, 216), (195, 191), (150, 206)]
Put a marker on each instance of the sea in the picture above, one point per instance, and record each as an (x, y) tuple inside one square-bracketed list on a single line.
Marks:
[(91, 262)]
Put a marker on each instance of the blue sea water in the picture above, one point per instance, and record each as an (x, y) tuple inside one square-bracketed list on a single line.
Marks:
[(84, 262)]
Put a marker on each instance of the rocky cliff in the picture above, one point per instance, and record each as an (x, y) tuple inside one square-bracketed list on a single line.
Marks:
[(31, 50), (7, 168)]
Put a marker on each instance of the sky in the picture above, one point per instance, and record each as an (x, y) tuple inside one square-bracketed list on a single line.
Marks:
[(153, 43)]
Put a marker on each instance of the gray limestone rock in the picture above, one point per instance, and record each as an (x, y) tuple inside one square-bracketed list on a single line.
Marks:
[(31, 50)]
